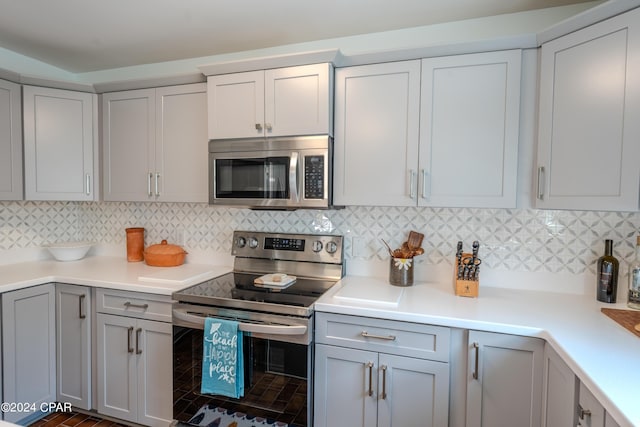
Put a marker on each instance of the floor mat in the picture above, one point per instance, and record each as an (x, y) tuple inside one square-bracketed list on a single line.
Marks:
[(208, 416)]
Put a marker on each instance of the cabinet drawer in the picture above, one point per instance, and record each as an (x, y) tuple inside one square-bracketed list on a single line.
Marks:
[(386, 336), (134, 304)]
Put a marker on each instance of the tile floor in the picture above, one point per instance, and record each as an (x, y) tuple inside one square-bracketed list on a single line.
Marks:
[(74, 419)]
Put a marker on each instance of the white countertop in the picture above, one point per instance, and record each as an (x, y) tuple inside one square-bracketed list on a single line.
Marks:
[(603, 354), (108, 272)]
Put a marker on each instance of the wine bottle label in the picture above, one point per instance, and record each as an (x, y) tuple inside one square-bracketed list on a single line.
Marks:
[(635, 279)]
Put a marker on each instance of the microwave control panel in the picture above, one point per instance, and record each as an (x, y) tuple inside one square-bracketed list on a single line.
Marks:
[(314, 177)]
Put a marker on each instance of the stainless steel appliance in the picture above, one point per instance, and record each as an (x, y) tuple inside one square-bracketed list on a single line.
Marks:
[(273, 173), (278, 345)]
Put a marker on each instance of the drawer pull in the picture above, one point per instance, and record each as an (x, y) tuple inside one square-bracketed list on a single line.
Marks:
[(129, 333), (131, 305), (378, 337), (384, 382), (370, 366)]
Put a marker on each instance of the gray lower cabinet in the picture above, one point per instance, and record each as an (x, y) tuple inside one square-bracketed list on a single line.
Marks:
[(135, 364), (29, 345), (560, 391), (372, 372), (590, 412), (73, 349), (504, 380)]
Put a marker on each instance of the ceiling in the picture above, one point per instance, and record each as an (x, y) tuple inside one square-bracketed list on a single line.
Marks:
[(88, 35)]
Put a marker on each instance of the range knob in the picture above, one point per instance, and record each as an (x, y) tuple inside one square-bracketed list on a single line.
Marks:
[(241, 242), (332, 247), (316, 246), (253, 242)]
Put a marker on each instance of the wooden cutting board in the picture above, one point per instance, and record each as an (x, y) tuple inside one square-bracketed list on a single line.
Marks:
[(628, 319)]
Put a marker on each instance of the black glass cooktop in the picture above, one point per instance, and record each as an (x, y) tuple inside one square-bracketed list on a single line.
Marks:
[(237, 290)]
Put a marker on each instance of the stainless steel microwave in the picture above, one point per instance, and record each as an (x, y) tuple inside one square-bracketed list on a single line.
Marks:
[(272, 173)]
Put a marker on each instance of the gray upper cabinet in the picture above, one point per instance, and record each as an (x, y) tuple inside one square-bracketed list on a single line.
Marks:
[(60, 144), (277, 102), (11, 185), (469, 130), (589, 130), (437, 132), (155, 144)]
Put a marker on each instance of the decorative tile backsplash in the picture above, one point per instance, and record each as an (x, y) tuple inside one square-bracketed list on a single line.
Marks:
[(512, 240)]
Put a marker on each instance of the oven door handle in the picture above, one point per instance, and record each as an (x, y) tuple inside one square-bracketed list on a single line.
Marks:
[(256, 328)]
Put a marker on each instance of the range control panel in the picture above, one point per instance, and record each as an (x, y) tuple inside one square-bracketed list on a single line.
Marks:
[(285, 246)]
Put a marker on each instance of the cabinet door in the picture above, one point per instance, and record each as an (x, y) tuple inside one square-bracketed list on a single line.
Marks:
[(298, 100), (128, 121), (59, 144), (29, 348), (73, 326), (376, 134), (504, 377), (117, 379), (560, 391), (469, 128), (181, 144), (345, 389), (11, 187), (412, 392), (236, 105), (154, 350), (590, 412), (588, 120)]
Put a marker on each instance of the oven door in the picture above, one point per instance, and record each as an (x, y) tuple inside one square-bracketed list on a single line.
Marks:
[(278, 357)]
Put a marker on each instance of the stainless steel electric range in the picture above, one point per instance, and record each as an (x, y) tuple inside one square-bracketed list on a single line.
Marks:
[(276, 279)]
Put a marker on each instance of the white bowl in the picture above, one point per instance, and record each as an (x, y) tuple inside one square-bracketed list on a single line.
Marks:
[(69, 251)]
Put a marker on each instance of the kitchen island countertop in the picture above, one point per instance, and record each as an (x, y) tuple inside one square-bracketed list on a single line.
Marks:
[(108, 272), (602, 353)]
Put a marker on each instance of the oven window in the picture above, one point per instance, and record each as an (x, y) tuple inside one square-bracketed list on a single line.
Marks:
[(259, 178), (276, 382)]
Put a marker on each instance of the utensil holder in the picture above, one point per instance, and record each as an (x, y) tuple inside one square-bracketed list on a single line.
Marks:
[(464, 288), (401, 271), (135, 244)]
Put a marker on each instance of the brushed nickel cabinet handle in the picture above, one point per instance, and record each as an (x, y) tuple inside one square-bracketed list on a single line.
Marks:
[(81, 314), (259, 127), (87, 184), (129, 333), (384, 382), (412, 183), (378, 337), (541, 183), (475, 371), (132, 305), (582, 414), (157, 184), (268, 127), (425, 184), (138, 349), (370, 366), (149, 178)]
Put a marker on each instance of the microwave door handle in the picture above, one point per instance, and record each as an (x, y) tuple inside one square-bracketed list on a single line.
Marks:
[(293, 177), (256, 328)]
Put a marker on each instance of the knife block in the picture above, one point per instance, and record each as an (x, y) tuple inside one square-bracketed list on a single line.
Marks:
[(464, 288)]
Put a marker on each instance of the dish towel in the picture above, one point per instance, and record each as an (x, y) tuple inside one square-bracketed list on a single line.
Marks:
[(222, 360)]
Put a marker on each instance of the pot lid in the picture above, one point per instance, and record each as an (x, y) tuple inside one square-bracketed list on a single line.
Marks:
[(164, 248)]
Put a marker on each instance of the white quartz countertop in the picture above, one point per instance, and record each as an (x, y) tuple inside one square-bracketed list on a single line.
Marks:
[(108, 272), (603, 354)]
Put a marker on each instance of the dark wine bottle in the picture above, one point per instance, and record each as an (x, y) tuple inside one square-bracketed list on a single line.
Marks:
[(607, 274)]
